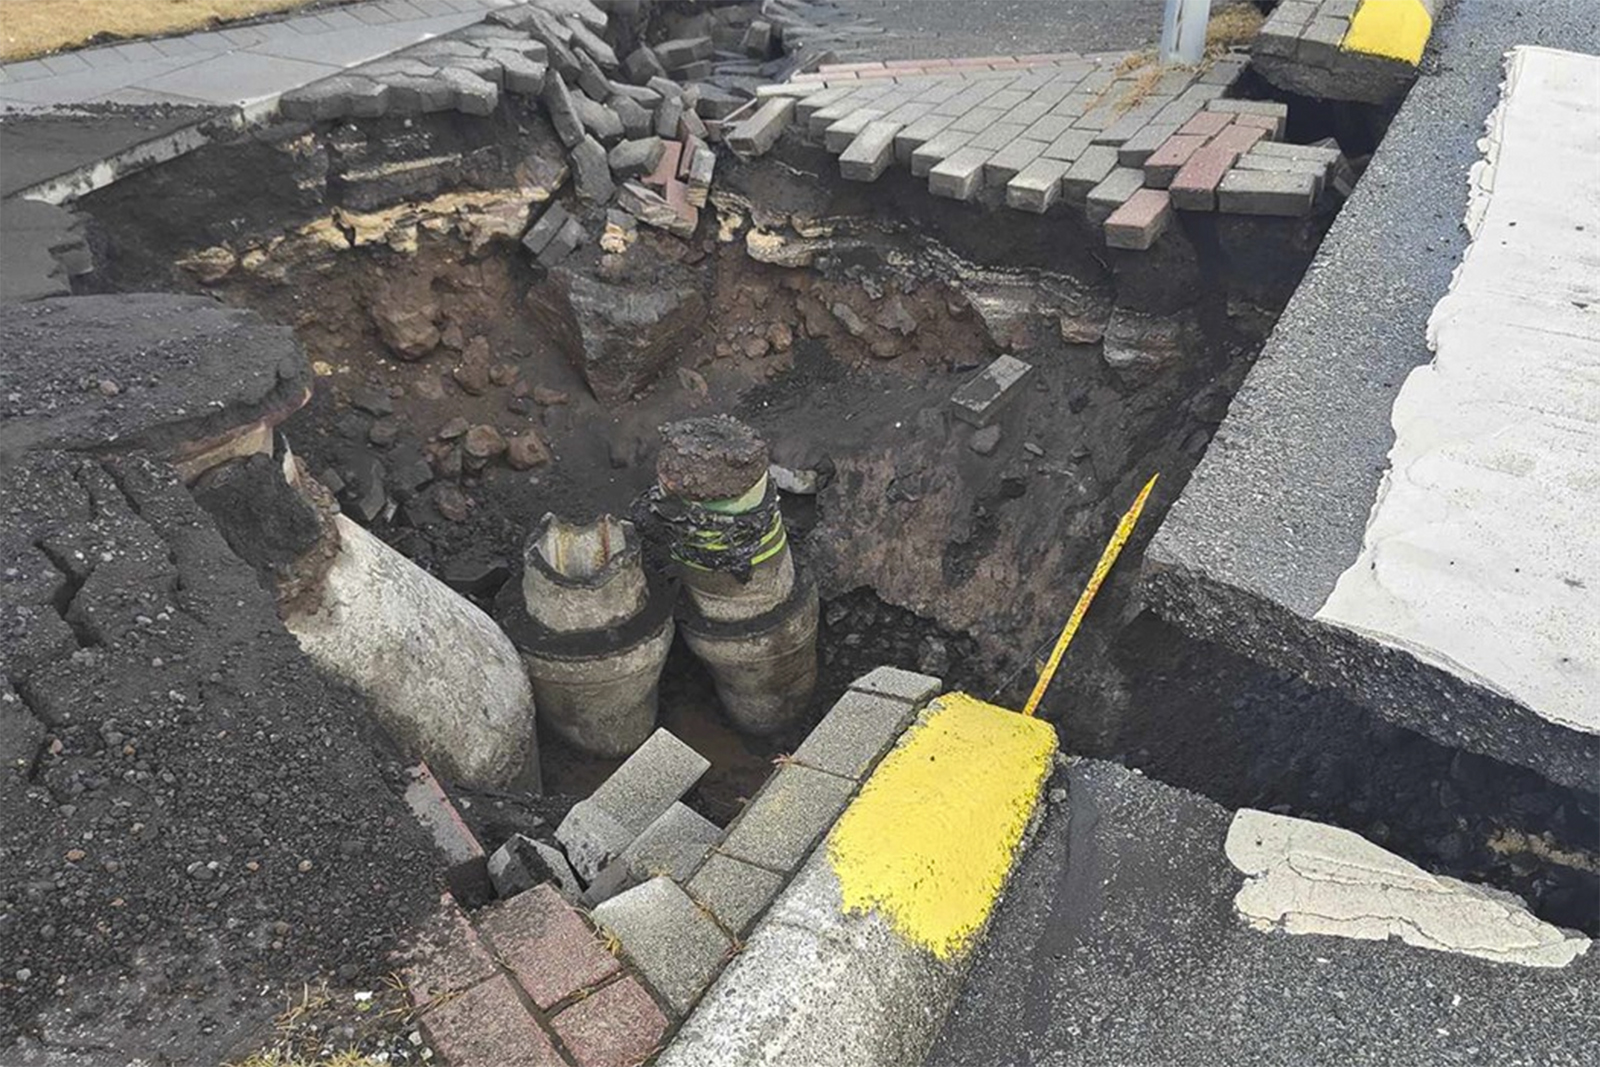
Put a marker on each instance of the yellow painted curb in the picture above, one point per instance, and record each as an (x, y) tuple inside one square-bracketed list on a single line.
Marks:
[(1394, 29), (931, 838)]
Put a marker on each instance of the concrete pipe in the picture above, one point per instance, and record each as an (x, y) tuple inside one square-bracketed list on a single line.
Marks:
[(765, 668), (593, 631)]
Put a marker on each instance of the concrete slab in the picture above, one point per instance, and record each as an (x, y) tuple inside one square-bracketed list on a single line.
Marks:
[(1119, 943), (677, 948), (1278, 510)]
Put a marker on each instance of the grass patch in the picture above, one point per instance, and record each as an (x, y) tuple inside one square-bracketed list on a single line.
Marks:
[(31, 28), (1232, 26)]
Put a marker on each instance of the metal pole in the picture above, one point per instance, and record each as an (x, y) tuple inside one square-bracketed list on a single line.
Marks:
[(1183, 31)]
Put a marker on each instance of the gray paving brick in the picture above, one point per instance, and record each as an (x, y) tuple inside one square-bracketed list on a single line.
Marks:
[(673, 845), (1099, 115), (1050, 96), (940, 91), (1112, 192), (1136, 149), (760, 131), (1008, 161), (1224, 72), (918, 133), (1028, 111), (870, 154), (1088, 171), (1128, 125), (837, 137), (981, 400), (1008, 98), (997, 136), (649, 782), (854, 734), (1073, 105), (677, 948), (977, 120), (236, 77), (936, 148), (790, 814), (1311, 152), (1286, 165), (736, 892), (908, 113), (1260, 192), (810, 105), (1036, 186), (1048, 128), (1070, 145), (1319, 42)]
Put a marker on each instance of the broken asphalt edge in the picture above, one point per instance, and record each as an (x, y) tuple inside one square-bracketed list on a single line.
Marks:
[(860, 958)]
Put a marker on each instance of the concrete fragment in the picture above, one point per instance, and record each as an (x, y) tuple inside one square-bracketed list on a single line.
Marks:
[(981, 400), (792, 811), (736, 892), (870, 154), (600, 827), (591, 173), (758, 133), (522, 863), (677, 948), (629, 159)]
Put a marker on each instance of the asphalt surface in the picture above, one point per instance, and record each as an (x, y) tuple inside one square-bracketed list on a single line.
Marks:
[(39, 146), (945, 29), (1278, 508), (1118, 945)]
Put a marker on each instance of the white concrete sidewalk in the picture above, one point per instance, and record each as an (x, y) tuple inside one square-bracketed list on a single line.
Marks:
[(247, 66)]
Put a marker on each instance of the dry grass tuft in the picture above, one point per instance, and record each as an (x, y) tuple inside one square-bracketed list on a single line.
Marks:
[(1232, 26), (31, 28), (285, 1058)]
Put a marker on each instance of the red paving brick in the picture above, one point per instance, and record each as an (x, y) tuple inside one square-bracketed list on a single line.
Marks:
[(1238, 138), (1140, 220), (546, 944), (1173, 153), (489, 1026), (1207, 124), (667, 166), (1194, 188), (447, 957), (617, 1026), (1266, 122)]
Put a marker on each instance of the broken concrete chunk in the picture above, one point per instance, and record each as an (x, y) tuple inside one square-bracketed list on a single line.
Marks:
[(673, 845), (522, 863), (981, 400), (630, 159), (599, 828)]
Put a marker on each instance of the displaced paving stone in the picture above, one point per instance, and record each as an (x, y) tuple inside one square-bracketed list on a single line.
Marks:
[(541, 233), (473, 95), (523, 76), (565, 242), (617, 1025), (649, 782), (447, 957), (1137, 149), (1112, 193), (758, 133), (558, 104), (673, 845), (854, 734), (959, 176), (939, 147), (601, 122), (1163, 164), (642, 65), (668, 117), (652, 209), (736, 892), (487, 1026), (1088, 171), (1010, 160), (523, 863), (638, 121), (1206, 124), (466, 867), (870, 154), (1194, 187), (677, 948), (1069, 146), (591, 173), (547, 945), (1261, 192), (1137, 223), (792, 811), (1036, 186), (683, 51), (630, 159), (909, 686), (981, 400), (837, 137)]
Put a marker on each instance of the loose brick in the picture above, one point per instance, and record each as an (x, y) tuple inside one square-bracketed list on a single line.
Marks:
[(1139, 221), (1135, 150), (1088, 171), (1327, 156), (998, 136), (918, 133), (908, 686), (1036, 186), (870, 154), (854, 734), (598, 828), (1249, 107), (793, 810), (447, 956), (939, 147), (677, 948), (959, 176), (736, 892), (1238, 138), (1069, 146), (673, 845), (1258, 192), (1112, 192), (488, 1027), (466, 866), (1173, 153), (837, 137), (1206, 124), (1126, 126), (758, 133), (547, 945), (1194, 187), (1006, 163), (810, 105), (981, 400), (1273, 126), (618, 1025), (1283, 165)]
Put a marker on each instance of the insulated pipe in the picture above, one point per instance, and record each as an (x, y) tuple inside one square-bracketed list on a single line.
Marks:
[(596, 634), (752, 618)]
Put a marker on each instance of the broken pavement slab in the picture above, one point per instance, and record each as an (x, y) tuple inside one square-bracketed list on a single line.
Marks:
[(981, 400)]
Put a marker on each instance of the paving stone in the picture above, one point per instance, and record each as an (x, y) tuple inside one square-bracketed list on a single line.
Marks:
[(591, 173), (837, 137), (1112, 192), (566, 241), (981, 400), (1140, 221), (1272, 126), (617, 1025), (558, 103), (1224, 72), (1260, 192), (642, 64), (1274, 108), (758, 133), (523, 76), (736, 892), (1137, 149), (854, 734), (1206, 124), (415, 95), (473, 95), (939, 147), (1069, 146), (795, 808), (1010, 160), (1194, 187), (666, 87), (1037, 186), (649, 782), (542, 232), (997, 136), (676, 947), (918, 133), (547, 945), (909, 686), (632, 158), (1327, 156), (1319, 41), (591, 79), (960, 175), (976, 121), (807, 106), (1047, 128), (1088, 171), (592, 44), (1238, 139), (668, 116), (683, 51), (1128, 125), (690, 124), (466, 866), (447, 956), (1165, 161), (487, 1026), (599, 120), (673, 845), (870, 154), (522, 863), (637, 120), (1285, 165)]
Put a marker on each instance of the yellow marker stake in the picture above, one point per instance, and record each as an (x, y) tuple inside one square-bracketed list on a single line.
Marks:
[(1107, 558)]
